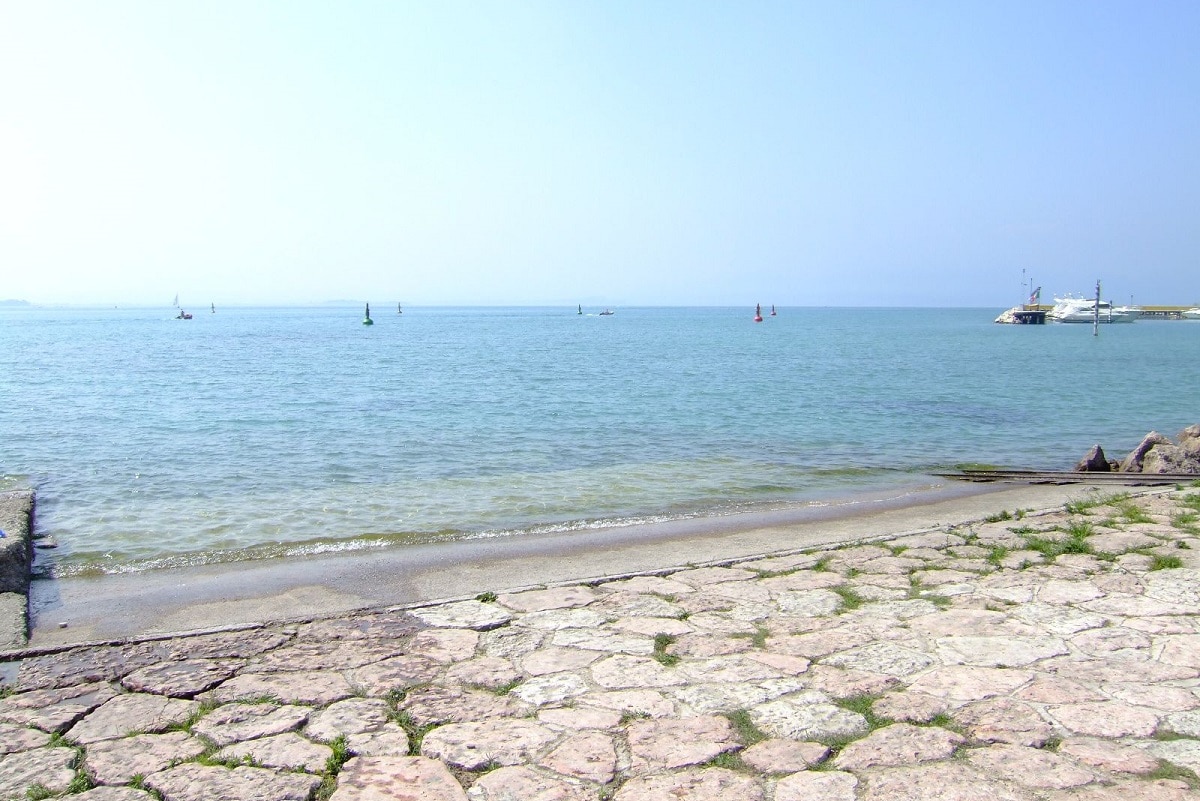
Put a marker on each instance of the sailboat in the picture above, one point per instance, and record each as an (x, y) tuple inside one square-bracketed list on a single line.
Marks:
[(182, 314), (367, 316), (398, 309), (772, 309), (580, 308), (214, 308)]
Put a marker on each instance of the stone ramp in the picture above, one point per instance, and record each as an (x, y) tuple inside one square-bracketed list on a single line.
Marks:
[(1029, 657)]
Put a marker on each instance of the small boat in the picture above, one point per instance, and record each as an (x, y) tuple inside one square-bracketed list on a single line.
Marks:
[(607, 312), (214, 308), (398, 309), (367, 316), (758, 312), (183, 315), (1084, 310)]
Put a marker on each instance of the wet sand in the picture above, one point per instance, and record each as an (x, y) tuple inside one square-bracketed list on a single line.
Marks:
[(115, 607)]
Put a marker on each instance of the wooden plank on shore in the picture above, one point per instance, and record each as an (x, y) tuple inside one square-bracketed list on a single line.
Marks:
[(1072, 477)]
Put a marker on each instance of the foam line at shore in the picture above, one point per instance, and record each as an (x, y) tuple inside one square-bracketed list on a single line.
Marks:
[(115, 607)]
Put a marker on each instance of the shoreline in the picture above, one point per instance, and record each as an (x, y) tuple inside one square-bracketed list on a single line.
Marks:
[(74, 611)]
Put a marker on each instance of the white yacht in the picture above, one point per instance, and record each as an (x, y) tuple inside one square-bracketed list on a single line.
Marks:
[(1083, 310)]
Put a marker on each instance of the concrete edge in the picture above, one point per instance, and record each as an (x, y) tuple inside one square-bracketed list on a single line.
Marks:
[(16, 564)]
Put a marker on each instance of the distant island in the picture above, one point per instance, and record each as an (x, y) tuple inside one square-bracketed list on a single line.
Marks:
[(15, 303)]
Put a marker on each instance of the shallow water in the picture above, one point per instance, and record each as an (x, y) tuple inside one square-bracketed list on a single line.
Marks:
[(254, 433)]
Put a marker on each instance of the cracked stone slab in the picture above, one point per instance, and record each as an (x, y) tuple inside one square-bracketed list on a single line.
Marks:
[(940, 781), (192, 782), (518, 783), (48, 767), (882, 657), (550, 689), (118, 761), (966, 683), (396, 779), (555, 598), (473, 745), (431, 706), (588, 756), (829, 785), (235, 722), (620, 671), (315, 687), (134, 713), (58, 709), (14, 737), (445, 645), (784, 756), (181, 679), (463, 615), (396, 673), (366, 724), (1032, 767), (665, 744), (288, 751), (692, 784), (999, 651), (1105, 719), (604, 640), (793, 719), (899, 744)]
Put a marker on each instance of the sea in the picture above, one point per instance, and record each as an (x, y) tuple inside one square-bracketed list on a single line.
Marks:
[(263, 433)]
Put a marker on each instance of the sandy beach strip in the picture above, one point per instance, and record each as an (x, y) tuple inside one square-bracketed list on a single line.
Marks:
[(116, 607)]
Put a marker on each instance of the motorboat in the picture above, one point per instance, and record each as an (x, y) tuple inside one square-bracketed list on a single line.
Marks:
[(1191, 314), (1084, 310)]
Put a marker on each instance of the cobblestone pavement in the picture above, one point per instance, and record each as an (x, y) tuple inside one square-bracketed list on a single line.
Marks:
[(1050, 655)]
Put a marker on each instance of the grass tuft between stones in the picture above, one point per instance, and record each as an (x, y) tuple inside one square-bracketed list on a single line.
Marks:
[(661, 642)]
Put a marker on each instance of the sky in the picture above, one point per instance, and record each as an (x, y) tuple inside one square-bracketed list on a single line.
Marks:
[(675, 152)]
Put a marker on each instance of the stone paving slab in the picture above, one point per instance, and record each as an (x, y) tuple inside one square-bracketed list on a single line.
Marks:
[(935, 666)]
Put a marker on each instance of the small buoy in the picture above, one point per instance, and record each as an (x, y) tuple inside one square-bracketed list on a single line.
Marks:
[(62, 625)]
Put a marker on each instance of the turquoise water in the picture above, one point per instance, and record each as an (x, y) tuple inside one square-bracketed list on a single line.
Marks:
[(254, 433)]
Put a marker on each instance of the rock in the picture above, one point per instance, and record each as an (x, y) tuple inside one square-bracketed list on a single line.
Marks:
[(1133, 462), (400, 778), (1093, 462)]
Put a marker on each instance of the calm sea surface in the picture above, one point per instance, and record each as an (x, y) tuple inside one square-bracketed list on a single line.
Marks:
[(255, 433)]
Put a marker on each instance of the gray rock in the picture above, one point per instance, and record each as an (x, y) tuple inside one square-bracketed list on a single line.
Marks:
[(1133, 462), (1093, 462)]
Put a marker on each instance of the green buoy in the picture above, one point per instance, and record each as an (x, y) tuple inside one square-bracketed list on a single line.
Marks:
[(367, 316)]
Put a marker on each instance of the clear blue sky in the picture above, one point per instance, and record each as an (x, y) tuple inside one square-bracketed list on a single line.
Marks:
[(596, 152)]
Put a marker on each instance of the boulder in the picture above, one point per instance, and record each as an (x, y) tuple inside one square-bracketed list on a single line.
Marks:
[(1133, 462), (1093, 462), (1157, 454)]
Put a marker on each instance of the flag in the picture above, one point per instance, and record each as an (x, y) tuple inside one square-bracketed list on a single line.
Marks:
[(1035, 297)]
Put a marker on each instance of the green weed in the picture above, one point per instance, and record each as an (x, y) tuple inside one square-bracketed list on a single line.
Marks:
[(748, 733), (1159, 562), (850, 598), (661, 641)]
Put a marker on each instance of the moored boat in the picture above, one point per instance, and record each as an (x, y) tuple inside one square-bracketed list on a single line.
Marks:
[(1088, 310)]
